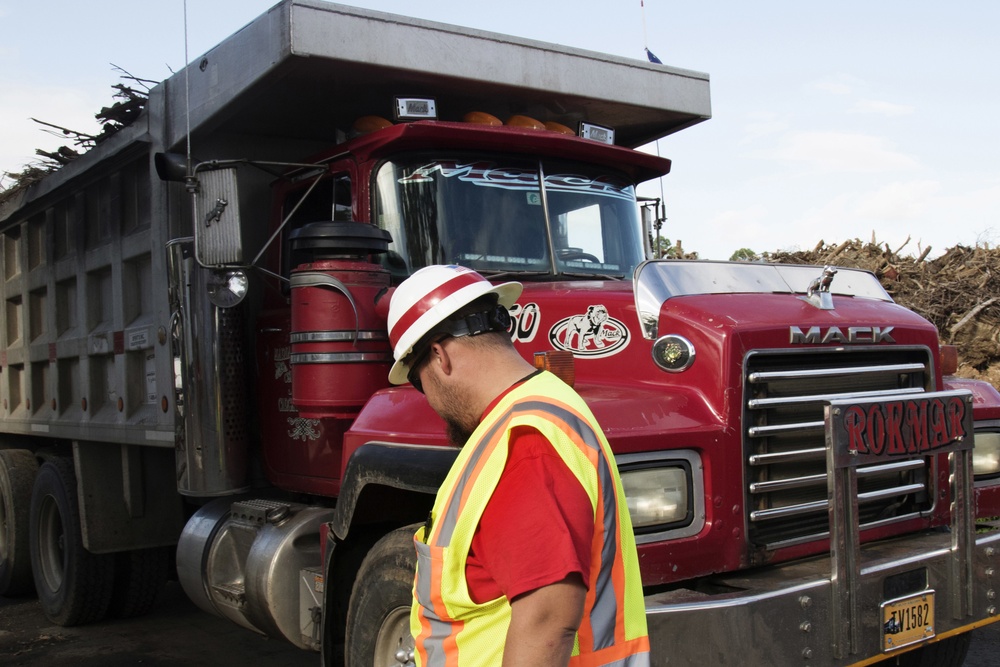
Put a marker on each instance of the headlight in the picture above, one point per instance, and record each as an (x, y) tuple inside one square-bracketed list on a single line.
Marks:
[(986, 455), (658, 497)]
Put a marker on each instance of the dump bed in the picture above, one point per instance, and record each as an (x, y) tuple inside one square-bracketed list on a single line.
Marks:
[(87, 319), (306, 68)]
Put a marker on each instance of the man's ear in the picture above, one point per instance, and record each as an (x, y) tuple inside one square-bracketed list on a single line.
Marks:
[(441, 357)]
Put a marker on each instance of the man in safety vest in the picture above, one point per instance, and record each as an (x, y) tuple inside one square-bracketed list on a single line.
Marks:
[(528, 556)]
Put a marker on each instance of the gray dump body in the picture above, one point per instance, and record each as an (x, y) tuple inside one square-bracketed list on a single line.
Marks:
[(87, 320)]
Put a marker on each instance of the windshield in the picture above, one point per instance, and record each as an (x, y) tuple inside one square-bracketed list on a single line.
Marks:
[(489, 215)]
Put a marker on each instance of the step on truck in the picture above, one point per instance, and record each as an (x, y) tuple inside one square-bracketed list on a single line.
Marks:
[(194, 359)]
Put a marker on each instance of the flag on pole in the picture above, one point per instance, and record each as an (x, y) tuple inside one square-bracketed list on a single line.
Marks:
[(652, 57)]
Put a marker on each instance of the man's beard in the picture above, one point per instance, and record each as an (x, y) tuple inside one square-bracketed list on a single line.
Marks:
[(453, 409), (457, 433)]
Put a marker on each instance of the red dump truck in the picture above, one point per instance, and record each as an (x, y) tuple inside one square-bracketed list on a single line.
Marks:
[(194, 359)]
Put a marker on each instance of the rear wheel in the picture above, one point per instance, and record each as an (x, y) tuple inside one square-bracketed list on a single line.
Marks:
[(18, 468), (378, 619), (74, 586)]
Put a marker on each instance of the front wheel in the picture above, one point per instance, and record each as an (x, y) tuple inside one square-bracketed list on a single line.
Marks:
[(378, 618)]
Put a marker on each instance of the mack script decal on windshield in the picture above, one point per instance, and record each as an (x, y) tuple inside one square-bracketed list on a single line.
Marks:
[(905, 427), (488, 174)]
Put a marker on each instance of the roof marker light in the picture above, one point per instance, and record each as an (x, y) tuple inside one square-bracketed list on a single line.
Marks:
[(482, 118), (367, 124), (526, 122), (559, 127)]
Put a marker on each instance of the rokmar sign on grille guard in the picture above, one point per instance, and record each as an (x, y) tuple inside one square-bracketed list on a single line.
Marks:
[(866, 431), (861, 431)]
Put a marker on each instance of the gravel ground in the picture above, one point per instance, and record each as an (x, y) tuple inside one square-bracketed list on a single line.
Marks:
[(175, 632), (178, 633)]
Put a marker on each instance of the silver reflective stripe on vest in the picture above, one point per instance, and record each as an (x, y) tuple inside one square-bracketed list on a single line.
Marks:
[(439, 629), (634, 660), (605, 610), (446, 528)]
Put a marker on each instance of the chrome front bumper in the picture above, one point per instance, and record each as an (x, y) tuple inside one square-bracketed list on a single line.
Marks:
[(784, 614)]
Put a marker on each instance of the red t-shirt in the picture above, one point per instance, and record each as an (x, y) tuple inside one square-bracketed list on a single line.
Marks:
[(537, 527)]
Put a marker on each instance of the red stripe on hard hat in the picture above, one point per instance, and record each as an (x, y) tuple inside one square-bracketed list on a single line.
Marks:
[(430, 300)]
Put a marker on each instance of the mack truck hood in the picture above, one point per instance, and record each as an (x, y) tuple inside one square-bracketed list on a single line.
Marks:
[(725, 312)]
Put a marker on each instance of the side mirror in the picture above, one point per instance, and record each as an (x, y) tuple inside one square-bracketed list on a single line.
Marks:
[(648, 227), (215, 197), (218, 238)]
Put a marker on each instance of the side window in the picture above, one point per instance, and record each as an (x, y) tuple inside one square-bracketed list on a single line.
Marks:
[(583, 232), (342, 205), (330, 200)]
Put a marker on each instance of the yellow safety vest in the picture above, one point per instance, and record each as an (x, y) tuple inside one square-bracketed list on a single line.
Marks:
[(450, 629)]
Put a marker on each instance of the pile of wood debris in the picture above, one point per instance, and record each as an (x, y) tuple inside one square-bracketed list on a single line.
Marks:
[(128, 105), (959, 292)]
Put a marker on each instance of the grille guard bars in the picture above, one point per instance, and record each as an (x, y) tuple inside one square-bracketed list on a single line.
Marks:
[(828, 608), (848, 447)]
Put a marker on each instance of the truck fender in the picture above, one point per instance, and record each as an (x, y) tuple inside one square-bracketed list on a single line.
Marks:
[(409, 468)]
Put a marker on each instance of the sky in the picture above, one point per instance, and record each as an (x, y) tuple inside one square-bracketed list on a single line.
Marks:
[(831, 120)]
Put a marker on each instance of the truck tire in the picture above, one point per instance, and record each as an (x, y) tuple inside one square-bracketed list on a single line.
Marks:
[(18, 468), (139, 578), (378, 618), (74, 586), (948, 652)]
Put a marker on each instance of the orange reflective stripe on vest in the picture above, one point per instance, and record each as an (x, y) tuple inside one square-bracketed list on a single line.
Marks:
[(452, 630)]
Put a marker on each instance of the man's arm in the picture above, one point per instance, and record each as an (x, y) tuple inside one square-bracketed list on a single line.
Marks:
[(543, 623)]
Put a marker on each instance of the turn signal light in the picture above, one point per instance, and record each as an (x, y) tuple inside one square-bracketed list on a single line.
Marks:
[(559, 363), (949, 360)]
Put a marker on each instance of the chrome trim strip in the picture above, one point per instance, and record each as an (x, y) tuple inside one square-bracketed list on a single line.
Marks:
[(766, 376), (335, 336), (808, 480), (762, 431), (341, 358), (788, 457), (823, 505), (756, 403)]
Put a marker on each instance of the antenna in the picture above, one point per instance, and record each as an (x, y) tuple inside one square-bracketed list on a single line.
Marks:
[(187, 89), (645, 40)]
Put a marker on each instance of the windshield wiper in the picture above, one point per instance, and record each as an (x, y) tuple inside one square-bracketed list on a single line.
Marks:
[(597, 276), (507, 274)]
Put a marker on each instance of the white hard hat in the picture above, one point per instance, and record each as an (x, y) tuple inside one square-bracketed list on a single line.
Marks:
[(428, 298)]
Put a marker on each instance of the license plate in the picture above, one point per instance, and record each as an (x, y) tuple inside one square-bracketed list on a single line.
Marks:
[(907, 620)]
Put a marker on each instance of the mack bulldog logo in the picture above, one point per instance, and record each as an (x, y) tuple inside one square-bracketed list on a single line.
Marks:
[(906, 427), (853, 335), (591, 334)]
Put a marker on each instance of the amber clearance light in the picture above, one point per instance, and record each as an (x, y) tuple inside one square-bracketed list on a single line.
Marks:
[(949, 360), (559, 363)]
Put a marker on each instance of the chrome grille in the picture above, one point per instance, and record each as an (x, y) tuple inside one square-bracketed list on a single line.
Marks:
[(784, 439)]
